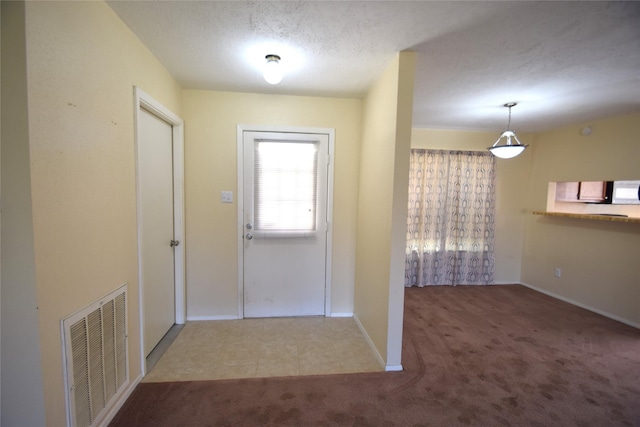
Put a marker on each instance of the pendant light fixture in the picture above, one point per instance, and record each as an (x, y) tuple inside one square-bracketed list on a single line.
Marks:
[(272, 70), (508, 149)]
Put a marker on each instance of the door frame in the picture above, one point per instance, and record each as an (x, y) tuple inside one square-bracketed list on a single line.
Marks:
[(241, 129), (146, 102)]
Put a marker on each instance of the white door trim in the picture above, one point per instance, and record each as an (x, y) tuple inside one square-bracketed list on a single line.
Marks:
[(146, 102), (240, 190)]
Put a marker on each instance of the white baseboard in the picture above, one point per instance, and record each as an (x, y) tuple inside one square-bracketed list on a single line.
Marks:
[(117, 405), (341, 315), (224, 317), (505, 283), (370, 342), (586, 307), (234, 317), (394, 368)]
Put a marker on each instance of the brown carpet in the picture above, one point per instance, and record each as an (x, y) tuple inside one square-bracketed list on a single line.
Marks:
[(484, 356)]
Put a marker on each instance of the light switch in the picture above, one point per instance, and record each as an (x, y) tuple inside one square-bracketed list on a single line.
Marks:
[(227, 197)]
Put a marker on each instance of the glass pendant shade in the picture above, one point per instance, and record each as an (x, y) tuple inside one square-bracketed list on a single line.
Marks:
[(508, 149), (272, 70)]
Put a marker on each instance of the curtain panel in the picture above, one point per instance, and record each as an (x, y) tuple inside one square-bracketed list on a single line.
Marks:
[(451, 217)]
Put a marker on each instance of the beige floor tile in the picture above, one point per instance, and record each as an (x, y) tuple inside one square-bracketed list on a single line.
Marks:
[(271, 350), (263, 348), (235, 353), (244, 370), (321, 369), (283, 367)]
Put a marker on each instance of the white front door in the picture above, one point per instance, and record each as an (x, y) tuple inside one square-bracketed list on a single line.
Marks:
[(155, 180), (285, 223)]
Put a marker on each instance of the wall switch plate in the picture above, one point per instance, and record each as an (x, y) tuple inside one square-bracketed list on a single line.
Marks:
[(227, 197), (558, 272)]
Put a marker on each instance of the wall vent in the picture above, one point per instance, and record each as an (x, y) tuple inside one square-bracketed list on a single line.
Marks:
[(95, 358)]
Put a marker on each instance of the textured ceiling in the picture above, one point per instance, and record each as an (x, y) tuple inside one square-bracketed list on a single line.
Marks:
[(563, 62)]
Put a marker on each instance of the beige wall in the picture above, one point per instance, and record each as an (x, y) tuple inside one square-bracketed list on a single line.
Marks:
[(82, 64), (22, 389), (382, 205), (512, 177), (211, 120), (599, 260)]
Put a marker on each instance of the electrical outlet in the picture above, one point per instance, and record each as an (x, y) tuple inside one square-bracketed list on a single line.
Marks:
[(558, 272), (227, 197)]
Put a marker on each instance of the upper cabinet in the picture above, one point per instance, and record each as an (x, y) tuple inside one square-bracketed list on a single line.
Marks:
[(593, 191), (583, 191), (567, 191)]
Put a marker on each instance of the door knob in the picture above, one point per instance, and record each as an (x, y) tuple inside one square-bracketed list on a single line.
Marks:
[(174, 243), (248, 236)]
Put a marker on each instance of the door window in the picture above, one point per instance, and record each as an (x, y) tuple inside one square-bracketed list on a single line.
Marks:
[(285, 187)]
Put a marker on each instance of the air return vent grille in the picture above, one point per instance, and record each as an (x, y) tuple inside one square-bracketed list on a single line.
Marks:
[(95, 358)]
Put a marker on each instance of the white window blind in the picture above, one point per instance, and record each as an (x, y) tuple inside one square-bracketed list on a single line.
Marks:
[(285, 185)]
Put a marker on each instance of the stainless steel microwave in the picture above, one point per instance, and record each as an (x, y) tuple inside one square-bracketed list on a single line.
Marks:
[(626, 193)]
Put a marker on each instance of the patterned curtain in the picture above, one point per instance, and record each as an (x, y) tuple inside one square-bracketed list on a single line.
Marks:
[(450, 226)]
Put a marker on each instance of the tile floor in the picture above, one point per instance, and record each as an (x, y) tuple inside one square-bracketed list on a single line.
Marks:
[(250, 348)]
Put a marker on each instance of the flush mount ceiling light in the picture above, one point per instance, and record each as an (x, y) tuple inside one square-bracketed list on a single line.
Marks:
[(272, 70), (508, 149)]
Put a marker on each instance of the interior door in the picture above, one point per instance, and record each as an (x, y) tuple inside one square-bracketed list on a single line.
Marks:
[(155, 180), (285, 223)]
